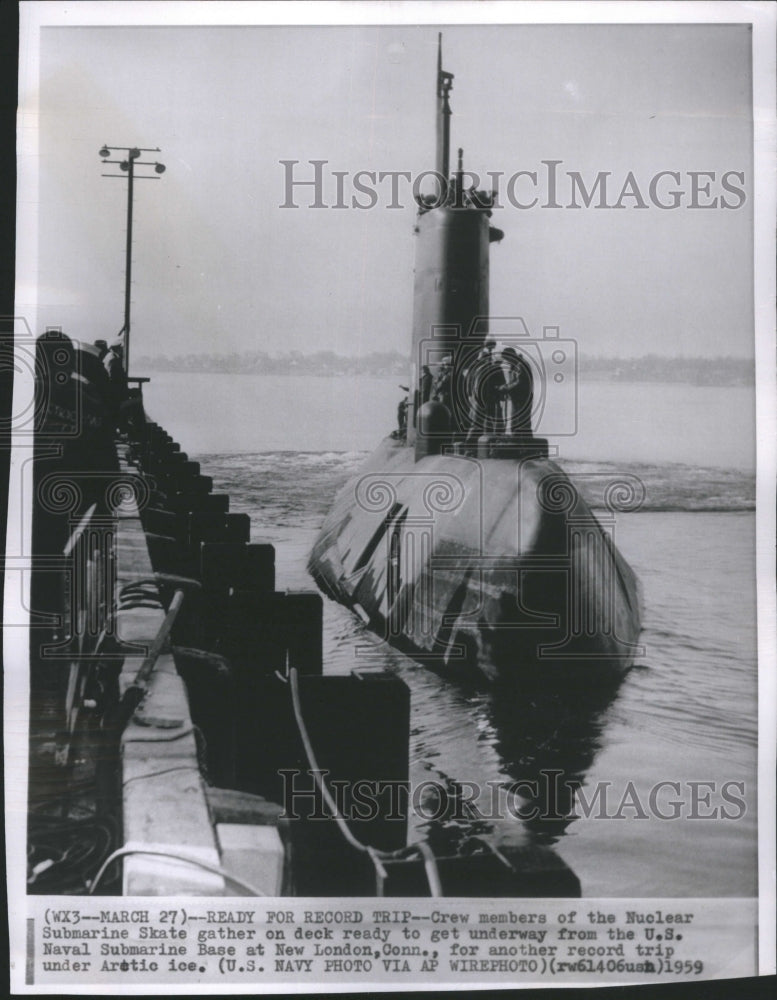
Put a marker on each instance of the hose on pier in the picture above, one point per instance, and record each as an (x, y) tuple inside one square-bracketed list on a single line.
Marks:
[(249, 889), (376, 856), (64, 853)]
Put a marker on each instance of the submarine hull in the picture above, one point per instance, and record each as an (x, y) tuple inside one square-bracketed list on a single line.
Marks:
[(471, 564), (468, 562)]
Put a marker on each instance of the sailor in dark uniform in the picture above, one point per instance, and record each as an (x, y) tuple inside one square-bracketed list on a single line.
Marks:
[(484, 382), (426, 383), (117, 376), (441, 391), (402, 415), (518, 392)]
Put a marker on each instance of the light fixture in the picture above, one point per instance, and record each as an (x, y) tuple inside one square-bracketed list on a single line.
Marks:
[(127, 167)]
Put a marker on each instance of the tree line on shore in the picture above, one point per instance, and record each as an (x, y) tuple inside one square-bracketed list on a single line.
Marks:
[(723, 370)]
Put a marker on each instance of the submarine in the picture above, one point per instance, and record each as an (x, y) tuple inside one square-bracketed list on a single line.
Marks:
[(461, 541)]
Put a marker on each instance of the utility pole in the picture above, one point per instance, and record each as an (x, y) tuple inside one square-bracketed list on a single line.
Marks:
[(127, 165)]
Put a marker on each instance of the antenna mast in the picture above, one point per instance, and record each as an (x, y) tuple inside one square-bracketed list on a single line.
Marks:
[(444, 85)]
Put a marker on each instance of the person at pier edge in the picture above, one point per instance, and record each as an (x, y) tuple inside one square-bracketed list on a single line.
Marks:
[(484, 381), (98, 374), (114, 366), (518, 392)]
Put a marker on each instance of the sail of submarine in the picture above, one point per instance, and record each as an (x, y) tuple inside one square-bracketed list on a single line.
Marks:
[(460, 541)]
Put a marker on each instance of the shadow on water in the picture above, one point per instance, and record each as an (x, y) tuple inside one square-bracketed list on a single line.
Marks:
[(546, 736)]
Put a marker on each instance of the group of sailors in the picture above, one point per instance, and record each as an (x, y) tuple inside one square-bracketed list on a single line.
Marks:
[(81, 401), (112, 359), (493, 395), (86, 379)]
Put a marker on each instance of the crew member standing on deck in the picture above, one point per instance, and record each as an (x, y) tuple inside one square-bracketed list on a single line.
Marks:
[(441, 391), (484, 382), (518, 392), (402, 406)]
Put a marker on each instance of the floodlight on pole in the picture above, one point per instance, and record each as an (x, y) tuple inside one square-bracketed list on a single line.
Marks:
[(127, 166)]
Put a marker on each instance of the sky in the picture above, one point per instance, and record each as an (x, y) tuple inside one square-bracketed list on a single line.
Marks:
[(220, 266)]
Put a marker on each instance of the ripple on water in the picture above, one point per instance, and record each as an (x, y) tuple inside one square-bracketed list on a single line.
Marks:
[(690, 710)]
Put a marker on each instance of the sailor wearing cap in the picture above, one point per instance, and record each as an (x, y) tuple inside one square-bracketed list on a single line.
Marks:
[(518, 392), (484, 381), (114, 365)]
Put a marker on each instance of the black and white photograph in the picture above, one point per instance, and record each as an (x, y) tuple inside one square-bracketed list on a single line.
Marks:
[(391, 509)]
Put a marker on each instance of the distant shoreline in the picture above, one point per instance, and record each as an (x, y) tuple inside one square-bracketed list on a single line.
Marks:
[(723, 371)]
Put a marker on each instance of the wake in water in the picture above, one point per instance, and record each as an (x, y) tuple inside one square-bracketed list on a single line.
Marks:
[(305, 482)]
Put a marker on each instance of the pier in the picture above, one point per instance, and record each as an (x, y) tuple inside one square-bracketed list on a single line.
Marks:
[(186, 739)]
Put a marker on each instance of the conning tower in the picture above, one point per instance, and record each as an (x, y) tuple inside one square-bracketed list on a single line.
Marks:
[(449, 542), (450, 295)]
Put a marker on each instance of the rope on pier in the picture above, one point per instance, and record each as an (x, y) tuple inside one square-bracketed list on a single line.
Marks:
[(376, 856), (250, 890)]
